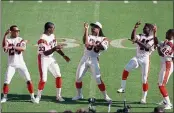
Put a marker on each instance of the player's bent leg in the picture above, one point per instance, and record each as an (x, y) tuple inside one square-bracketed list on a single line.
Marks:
[(164, 75), (55, 70), (8, 77), (24, 72), (133, 63), (43, 67), (145, 72), (5, 92), (31, 90), (81, 70), (102, 88)]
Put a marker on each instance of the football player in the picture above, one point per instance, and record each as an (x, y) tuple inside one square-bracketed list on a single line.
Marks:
[(95, 43), (14, 46), (165, 51), (47, 44), (145, 46)]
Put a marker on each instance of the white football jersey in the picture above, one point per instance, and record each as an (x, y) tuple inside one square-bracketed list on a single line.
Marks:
[(15, 57), (45, 43), (166, 48), (92, 52), (142, 52)]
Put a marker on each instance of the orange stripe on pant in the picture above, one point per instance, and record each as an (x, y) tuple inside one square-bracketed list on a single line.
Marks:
[(41, 83), (168, 66)]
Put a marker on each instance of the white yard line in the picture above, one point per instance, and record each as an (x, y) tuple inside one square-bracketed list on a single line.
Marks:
[(40, 1), (68, 2), (155, 2), (11, 1), (125, 1)]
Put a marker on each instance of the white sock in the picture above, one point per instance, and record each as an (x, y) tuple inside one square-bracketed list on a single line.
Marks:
[(58, 92), (123, 84), (144, 95), (104, 93), (5, 95), (79, 91), (167, 100), (39, 93), (32, 95)]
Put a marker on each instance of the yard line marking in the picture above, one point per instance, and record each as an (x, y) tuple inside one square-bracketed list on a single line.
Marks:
[(155, 2), (96, 11), (69, 2), (40, 1), (11, 1), (126, 1)]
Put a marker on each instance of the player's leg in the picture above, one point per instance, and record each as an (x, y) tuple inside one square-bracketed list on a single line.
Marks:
[(26, 75), (133, 63), (81, 70), (145, 66), (8, 77), (43, 67), (164, 75), (95, 69), (55, 70)]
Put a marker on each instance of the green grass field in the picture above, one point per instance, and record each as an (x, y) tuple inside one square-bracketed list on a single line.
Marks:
[(117, 19)]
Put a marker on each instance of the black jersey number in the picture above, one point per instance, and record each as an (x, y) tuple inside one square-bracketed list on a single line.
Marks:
[(144, 42)]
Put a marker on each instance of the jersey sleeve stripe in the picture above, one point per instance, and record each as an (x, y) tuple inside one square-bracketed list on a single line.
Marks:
[(42, 41)]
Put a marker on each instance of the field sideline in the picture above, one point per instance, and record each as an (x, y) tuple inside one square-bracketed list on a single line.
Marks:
[(117, 18)]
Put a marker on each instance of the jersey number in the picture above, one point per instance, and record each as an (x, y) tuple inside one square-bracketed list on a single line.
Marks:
[(144, 42), (42, 48), (13, 51), (92, 47), (166, 52)]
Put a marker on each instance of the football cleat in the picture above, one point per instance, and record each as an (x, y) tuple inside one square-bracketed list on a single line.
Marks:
[(33, 100), (143, 101), (107, 98), (37, 100), (60, 99), (77, 97), (162, 103), (168, 106), (3, 100), (121, 90)]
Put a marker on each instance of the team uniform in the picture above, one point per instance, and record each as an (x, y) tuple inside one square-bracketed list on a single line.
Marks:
[(90, 60), (141, 59), (166, 69), (16, 62), (46, 63)]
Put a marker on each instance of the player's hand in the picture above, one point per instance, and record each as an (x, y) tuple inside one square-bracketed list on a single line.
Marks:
[(58, 47), (154, 28), (66, 58), (86, 25), (8, 47), (7, 32), (26, 41), (137, 24)]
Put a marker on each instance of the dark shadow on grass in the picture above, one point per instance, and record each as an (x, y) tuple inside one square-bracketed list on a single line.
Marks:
[(68, 100)]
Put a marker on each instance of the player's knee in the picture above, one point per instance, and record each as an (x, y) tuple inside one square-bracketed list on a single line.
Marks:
[(5, 84), (59, 75), (44, 79), (98, 80), (29, 82)]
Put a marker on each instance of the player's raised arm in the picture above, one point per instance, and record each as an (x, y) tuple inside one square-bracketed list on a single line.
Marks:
[(155, 35), (133, 35), (85, 37), (4, 41)]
